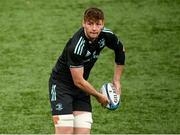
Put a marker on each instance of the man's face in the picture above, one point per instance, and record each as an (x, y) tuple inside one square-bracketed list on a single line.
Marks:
[(92, 29)]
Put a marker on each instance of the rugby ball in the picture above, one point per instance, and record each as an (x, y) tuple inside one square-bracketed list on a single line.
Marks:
[(109, 91)]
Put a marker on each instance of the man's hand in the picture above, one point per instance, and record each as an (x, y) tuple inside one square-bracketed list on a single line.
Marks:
[(102, 99)]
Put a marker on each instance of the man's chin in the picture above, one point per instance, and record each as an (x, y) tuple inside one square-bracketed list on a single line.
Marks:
[(94, 36)]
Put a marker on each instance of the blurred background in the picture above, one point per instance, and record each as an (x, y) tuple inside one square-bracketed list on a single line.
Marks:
[(33, 33)]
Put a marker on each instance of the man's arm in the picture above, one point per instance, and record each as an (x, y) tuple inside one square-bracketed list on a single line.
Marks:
[(117, 77), (79, 81), (114, 43)]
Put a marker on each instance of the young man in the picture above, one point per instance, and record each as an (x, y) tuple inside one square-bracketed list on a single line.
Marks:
[(69, 90)]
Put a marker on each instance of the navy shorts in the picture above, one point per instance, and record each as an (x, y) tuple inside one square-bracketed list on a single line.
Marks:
[(65, 99)]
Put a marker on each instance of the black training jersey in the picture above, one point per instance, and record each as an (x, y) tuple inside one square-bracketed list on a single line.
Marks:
[(81, 52)]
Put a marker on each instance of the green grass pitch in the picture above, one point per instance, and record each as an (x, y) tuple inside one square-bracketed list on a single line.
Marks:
[(33, 34)]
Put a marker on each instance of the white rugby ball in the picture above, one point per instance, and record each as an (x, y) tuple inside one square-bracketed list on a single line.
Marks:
[(109, 91)]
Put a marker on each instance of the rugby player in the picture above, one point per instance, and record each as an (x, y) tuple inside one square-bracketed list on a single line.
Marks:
[(69, 90)]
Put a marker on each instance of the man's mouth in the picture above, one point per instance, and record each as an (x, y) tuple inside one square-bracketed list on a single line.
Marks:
[(94, 33)]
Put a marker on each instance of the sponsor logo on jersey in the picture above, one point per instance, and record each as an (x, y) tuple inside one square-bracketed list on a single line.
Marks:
[(88, 53), (95, 56)]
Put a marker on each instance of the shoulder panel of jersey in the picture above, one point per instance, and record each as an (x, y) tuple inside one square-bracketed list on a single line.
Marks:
[(114, 43), (78, 50), (106, 30), (79, 42)]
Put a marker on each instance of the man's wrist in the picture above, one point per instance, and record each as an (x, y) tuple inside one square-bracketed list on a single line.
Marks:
[(116, 80)]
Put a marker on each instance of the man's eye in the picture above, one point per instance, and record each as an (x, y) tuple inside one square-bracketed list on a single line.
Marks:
[(89, 23)]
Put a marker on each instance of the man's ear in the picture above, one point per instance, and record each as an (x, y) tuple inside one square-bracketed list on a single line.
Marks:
[(102, 25)]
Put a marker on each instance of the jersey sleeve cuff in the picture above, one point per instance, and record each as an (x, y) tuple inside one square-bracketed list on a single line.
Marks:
[(72, 66), (118, 63)]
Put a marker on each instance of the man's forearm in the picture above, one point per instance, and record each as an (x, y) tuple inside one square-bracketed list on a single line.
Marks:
[(117, 77), (118, 72), (87, 87)]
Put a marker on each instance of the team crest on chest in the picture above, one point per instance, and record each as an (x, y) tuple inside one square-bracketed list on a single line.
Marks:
[(101, 43)]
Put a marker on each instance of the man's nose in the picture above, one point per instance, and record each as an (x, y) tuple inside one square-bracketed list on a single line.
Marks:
[(94, 27)]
